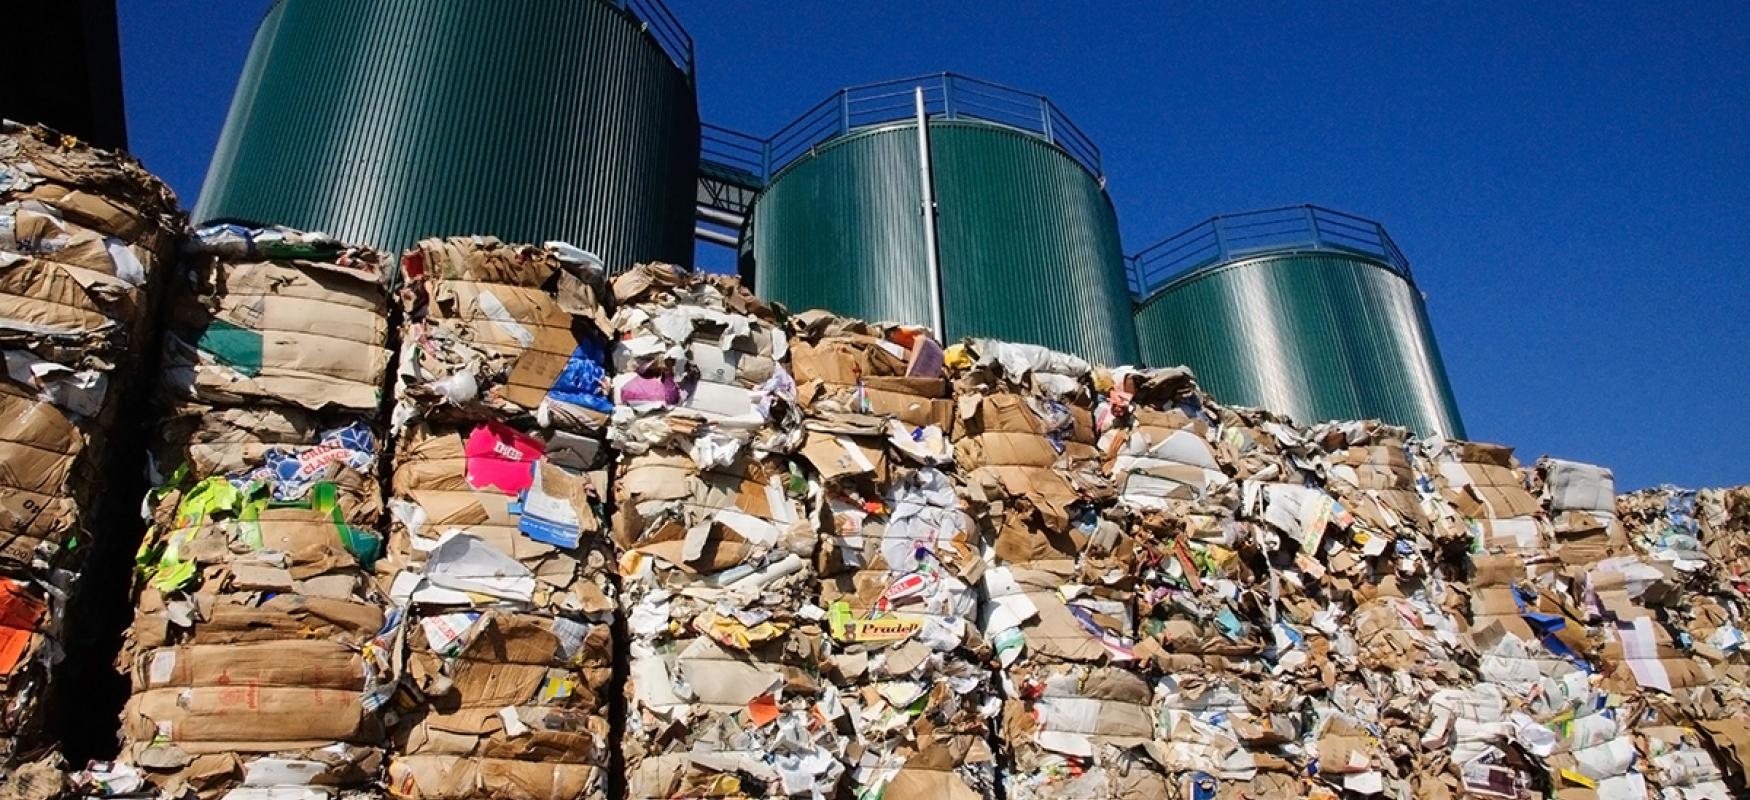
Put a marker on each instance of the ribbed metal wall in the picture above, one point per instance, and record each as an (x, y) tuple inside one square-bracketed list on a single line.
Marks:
[(842, 230), (1028, 240), (1029, 244), (390, 121), (1315, 335)]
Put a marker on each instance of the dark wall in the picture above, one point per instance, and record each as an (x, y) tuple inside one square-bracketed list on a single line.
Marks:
[(69, 73)]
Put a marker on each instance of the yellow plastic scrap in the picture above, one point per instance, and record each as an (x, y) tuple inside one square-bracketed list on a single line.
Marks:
[(1213, 559), (172, 575), (730, 632), (205, 498), (1577, 779), (557, 688), (844, 626), (723, 786), (956, 357)]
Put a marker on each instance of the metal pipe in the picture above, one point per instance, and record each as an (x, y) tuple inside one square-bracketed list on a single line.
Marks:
[(705, 234), (720, 217), (929, 208)]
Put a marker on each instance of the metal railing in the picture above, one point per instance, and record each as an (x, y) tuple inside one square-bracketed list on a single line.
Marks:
[(732, 155), (946, 96), (664, 27), (1224, 238)]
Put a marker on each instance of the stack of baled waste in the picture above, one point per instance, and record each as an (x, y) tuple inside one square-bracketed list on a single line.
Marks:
[(1293, 634), (1224, 629), (900, 563), (716, 521), (1395, 596), (1637, 598), (84, 236), (498, 555), (1537, 718), (1700, 542), (1059, 575), (816, 557), (261, 653)]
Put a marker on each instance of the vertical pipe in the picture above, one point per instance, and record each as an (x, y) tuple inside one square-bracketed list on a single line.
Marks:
[(927, 184)]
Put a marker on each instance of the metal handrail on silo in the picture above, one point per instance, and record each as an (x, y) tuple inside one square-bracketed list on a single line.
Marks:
[(1223, 238), (732, 155), (664, 27), (946, 95)]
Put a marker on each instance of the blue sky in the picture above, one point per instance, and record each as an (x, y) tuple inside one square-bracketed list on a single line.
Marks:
[(1570, 181)]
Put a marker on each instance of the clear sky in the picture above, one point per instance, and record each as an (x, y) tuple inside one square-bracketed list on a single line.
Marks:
[(1570, 181)]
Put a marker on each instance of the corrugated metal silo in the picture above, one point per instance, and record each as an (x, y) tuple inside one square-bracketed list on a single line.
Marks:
[(1028, 240), (1301, 310), (389, 121)]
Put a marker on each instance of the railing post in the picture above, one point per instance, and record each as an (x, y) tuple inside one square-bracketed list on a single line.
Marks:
[(1220, 240), (1045, 119), (1312, 224), (844, 110), (948, 96), (927, 181)]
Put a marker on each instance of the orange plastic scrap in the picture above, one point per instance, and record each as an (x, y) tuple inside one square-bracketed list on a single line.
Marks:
[(762, 710), (19, 616)]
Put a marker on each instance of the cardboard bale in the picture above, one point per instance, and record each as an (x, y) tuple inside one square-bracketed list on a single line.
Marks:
[(494, 331), (699, 368), (227, 681), (1060, 570), (498, 687), (498, 548), (521, 503), (1482, 494), (1646, 583), (717, 533), (280, 317), (266, 522), (1234, 600), (85, 235), (900, 562)]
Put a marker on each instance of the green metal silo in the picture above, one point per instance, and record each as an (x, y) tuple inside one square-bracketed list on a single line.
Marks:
[(390, 121), (1301, 310), (1026, 237)]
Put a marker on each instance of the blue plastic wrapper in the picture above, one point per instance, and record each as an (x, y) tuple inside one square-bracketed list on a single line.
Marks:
[(292, 471), (583, 382)]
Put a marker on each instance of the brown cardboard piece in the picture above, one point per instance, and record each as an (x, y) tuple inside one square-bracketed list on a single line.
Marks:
[(445, 777)]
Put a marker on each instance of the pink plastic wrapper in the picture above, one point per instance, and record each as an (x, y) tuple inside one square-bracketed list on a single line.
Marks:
[(502, 458), (661, 389)]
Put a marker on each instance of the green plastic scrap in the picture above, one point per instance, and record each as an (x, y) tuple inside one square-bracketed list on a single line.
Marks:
[(162, 561), (838, 615), (280, 249), (235, 347), (364, 544), (166, 567), (797, 483)]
